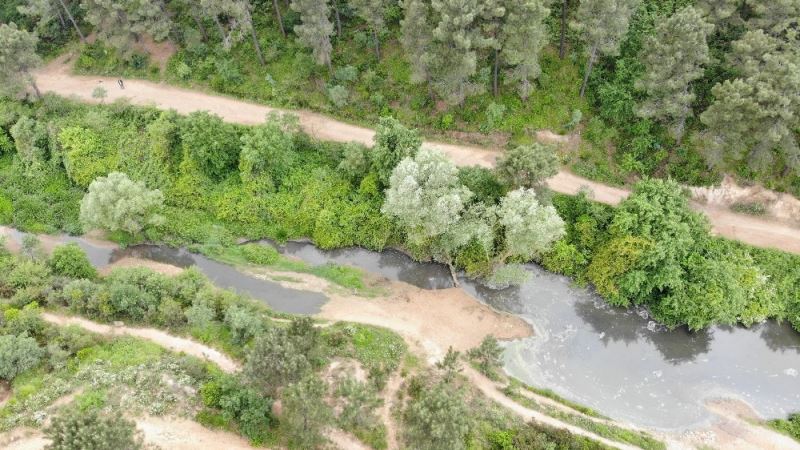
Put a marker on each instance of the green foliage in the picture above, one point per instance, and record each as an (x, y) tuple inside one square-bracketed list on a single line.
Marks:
[(437, 419), (267, 154), (210, 144), (305, 413), (239, 403), (19, 58), (527, 166), (393, 143), (275, 359), (115, 203), (75, 429), (488, 356), (18, 353), (71, 261), (85, 156), (790, 425)]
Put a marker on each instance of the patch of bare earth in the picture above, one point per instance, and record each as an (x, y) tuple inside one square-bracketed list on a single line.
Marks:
[(164, 432), (779, 205)]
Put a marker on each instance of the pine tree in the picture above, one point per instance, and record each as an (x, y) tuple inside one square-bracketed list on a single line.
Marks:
[(755, 116), (673, 57), (316, 29), (372, 11), (416, 37), (493, 16), (779, 18), (524, 34), (719, 11), (122, 23), (17, 58), (452, 57), (603, 23)]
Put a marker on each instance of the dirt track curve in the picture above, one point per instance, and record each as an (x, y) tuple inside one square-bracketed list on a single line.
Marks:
[(56, 78)]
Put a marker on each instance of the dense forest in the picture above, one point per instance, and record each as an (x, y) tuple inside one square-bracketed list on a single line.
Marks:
[(682, 88)]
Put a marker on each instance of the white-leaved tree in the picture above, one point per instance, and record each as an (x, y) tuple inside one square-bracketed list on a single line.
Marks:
[(427, 200), (529, 227), (115, 203)]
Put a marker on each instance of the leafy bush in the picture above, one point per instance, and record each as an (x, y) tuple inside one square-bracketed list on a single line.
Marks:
[(76, 429), (18, 353), (85, 156), (259, 254), (338, 95), (70, 260)]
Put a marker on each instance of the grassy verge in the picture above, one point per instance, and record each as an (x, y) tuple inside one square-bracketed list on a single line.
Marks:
[(606, 430), (789, 426)]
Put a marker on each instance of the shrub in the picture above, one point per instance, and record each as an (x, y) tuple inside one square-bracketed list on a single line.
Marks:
[(6, 210), (244, 323), (76, 429), (338, 95), (18, 353), (211, 144), (70, 261), (488, 356), (564, 258), (259, 254)]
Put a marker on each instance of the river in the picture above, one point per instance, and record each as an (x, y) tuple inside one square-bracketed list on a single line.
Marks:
[(615, 360)]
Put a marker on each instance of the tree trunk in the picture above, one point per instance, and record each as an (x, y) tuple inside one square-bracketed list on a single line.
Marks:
[(453, 275), (33, 85), (589, 65), (495, 88), (72, 19), (330, 66), (377, 44), (222, 34), (257, 46), (61, 19), (200, 25), (338, 19), (280, 18), (562, 44)]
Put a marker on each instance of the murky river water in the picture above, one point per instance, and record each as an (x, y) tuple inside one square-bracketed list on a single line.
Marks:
[(615, 360)]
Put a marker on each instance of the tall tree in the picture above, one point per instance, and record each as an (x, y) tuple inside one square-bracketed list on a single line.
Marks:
[(562, 39), (416, 37), (524, 35), (437, 418), (373, 12), (393, 143), (233, 19), (17, 58), (122, 23), (673, 57), (603, 24), (279, 16), (305, 413), (493, 13), (754, 117), (316, 29), (115, 203), (452, 55), (47, 10), (530, 228)]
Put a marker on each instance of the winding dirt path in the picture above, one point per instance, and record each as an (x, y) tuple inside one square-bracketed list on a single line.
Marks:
[(56, 78), (166, 340)]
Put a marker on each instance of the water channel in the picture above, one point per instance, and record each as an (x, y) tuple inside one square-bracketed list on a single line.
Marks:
[(615, 360)]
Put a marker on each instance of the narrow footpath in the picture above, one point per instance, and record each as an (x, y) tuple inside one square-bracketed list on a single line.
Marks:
[(56, 78)]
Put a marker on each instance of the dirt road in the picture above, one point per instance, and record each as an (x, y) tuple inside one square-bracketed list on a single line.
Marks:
[(56, 78)]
